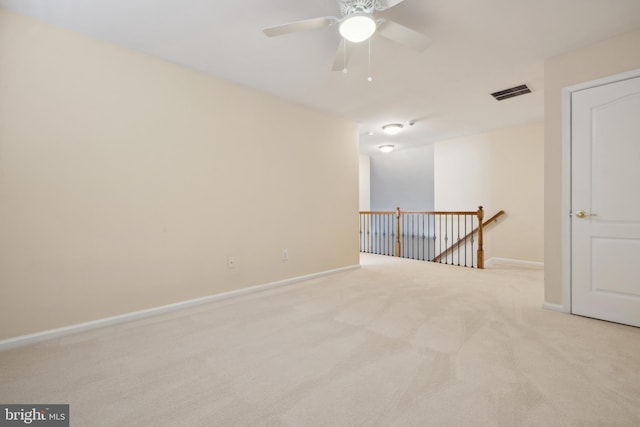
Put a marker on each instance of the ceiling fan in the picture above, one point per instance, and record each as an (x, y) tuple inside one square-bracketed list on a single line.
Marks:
[(357, 23)]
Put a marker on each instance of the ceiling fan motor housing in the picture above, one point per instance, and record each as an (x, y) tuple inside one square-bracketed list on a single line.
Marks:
[(349, 7)]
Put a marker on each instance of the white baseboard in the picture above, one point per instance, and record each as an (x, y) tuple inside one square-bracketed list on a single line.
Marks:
[(512, 261), (24, 340), (555, 307)]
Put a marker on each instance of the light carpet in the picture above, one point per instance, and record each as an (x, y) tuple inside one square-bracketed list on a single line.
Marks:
[(395, 343)]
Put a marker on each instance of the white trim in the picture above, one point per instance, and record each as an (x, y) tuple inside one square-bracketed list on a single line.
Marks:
[(512, 261), (24, 340), (566, 201), (566, 175), (627, 75), (555, 307)]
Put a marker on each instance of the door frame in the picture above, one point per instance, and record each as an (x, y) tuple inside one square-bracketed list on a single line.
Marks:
[(566, 176)]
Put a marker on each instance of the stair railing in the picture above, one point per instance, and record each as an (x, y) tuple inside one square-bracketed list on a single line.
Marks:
[(437, 236), (479, 230)]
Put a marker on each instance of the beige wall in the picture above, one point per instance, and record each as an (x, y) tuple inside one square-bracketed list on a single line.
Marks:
[(609, 57), (365, 182), (126, 182), (502, 169)]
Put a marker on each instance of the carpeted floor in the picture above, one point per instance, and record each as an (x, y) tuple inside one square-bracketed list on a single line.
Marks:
[(395, 343)]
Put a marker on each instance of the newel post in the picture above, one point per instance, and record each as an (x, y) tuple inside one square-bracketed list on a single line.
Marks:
[(397, 253), (480, 238)]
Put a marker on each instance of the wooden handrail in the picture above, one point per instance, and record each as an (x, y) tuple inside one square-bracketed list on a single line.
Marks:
[(377, 212), (420, 212), (457, 244)]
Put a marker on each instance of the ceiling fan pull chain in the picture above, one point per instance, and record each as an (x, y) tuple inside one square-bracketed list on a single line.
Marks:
[(344, 55), (370, 79)]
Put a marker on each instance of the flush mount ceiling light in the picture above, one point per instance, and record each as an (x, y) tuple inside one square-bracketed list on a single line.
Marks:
[(358, 27), (386, 148), (392, 129)]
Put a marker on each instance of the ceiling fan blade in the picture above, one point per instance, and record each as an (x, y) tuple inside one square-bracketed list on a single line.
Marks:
[(390, 3), (342, 56), (403, 35), (305, 25)]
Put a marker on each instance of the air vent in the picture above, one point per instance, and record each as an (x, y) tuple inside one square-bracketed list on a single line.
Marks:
[(510, 93)]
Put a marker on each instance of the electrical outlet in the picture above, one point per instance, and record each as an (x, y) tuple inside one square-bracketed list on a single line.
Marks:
[(231, 262), (285, 254)]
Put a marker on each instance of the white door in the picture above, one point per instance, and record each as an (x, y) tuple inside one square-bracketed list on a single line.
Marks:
[(605, 202)]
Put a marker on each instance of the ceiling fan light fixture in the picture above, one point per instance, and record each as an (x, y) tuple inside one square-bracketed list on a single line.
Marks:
[(386, 148), (392, 129), (357, 27)]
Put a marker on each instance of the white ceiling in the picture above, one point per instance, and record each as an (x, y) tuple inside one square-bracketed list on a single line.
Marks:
[(477, 47)]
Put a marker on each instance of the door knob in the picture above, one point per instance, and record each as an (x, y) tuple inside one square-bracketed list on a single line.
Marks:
[(583, 214)]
